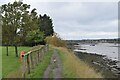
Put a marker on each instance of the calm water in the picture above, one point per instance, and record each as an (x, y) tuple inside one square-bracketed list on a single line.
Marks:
[(108, 49)]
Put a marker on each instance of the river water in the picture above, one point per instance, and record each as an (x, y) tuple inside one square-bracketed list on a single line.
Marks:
[(109, 62), (110, 50)]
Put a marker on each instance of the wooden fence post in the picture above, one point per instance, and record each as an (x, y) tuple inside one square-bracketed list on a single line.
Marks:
[(46, 47), (43, 50), (23, 67), (35, 59), (31, 60), (28, 64), (38, 56), (41, 54)]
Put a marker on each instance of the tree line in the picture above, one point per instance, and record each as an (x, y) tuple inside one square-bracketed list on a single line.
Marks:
[(24, 27)]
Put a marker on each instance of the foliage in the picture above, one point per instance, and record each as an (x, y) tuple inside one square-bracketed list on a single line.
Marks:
[(22, 26), (34, 37), (55, 40), (12, 20), (19, 22), (46, 25)]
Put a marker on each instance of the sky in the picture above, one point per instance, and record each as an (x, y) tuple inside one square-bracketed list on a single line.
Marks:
[(85, 19)]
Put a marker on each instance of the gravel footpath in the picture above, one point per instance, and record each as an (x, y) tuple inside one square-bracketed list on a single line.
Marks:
[(53, 69)]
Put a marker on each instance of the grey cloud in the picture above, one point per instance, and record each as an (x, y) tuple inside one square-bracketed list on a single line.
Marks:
[(79, 17)]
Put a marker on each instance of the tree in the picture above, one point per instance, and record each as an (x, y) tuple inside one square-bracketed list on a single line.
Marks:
[(12, 21), (21, 26), (46, 25), (34, 37), (6, 27)]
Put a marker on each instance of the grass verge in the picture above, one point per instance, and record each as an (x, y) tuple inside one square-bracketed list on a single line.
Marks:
[(73, 67), (0, 62)]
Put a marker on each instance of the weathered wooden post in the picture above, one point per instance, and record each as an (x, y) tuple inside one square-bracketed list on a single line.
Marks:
[(32, 65), (38, 56), (43, 50), (35, 58), (7, 50), (30, 60), (46, 47), (28, 64), (23, 67), (41, 54)]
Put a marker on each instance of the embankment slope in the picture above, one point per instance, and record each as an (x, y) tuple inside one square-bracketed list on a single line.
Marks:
[(73, 67)]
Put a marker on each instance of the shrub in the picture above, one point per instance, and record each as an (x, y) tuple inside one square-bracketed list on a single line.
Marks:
[(55, 40)]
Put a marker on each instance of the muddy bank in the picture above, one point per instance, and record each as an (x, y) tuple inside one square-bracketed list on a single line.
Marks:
[(107, 67)]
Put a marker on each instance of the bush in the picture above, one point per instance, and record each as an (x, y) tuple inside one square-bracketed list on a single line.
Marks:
[(55, 40)]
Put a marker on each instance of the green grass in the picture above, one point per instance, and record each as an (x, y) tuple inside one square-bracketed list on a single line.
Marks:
[(73, 67), (11, 63), (66, 73), (0, 62), (38, 72)]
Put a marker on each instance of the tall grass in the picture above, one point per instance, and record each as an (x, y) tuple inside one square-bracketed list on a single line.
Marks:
[(0, 62), (55, 40), (72, 67)]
